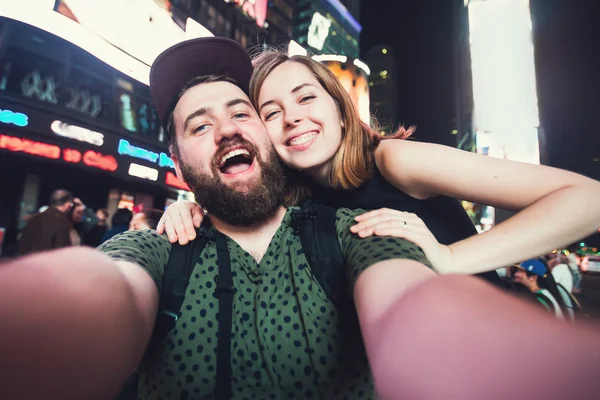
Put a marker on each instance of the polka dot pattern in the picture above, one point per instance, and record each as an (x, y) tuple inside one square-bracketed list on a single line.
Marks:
[(288, 341)]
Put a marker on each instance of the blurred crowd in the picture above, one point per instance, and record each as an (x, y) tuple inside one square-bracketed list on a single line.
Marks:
[(67, 221), (552, 282)]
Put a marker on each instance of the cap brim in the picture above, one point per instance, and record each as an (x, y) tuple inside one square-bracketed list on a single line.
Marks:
[(179, 64)]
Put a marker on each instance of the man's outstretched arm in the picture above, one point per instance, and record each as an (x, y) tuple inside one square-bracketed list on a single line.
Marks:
[(74, 325)]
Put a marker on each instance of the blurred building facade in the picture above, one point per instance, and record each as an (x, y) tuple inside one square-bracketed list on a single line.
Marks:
[(383, 87), (250, 22), (326, 27), (75, 102), (353, 6)]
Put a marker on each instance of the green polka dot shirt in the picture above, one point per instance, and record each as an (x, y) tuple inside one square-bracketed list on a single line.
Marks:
[(288, 341)]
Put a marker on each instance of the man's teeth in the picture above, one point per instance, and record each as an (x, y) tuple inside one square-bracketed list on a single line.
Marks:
[(234, 153), (305, 138)]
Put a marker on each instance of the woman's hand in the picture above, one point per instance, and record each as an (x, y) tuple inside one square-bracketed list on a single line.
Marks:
[(389, 222), (180, 220)]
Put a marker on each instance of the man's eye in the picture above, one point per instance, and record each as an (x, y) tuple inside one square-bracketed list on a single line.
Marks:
[(241, 115), (200, 128)]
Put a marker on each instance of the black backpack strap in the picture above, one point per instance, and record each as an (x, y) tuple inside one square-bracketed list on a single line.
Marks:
[(176, 278), (224, 292), (315, 224)]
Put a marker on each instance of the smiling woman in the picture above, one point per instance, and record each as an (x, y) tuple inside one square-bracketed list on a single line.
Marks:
[(302, 103)]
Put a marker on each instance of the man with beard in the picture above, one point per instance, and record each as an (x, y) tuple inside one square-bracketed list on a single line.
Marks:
[(286, 334), (82, 326)]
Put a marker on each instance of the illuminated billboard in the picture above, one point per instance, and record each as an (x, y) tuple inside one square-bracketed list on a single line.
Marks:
[(504, 85), (126, 34), (505, 115), (318, 31), (141, 28), (353, 74)]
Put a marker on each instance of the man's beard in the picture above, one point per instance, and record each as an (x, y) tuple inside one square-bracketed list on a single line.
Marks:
[(258, 203)]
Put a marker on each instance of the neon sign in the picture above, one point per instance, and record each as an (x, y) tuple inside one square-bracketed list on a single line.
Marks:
[(143, 172), (71, 156), (15, 118), (127, 119), (255, 9), (101, 161), (127, 149), (165, 161), (77, 133), (30, 147), (174, 181)]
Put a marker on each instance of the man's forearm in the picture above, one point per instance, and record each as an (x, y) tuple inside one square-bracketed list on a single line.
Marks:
[(380, 287), (71, 326), (457, 337)]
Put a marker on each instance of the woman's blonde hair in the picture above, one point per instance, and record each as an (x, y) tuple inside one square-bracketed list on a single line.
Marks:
[(354, 161)]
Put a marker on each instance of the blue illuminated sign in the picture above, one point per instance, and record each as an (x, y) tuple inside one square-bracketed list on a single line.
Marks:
[(15, 118), (126, 149), (165, 161), (339, 7)]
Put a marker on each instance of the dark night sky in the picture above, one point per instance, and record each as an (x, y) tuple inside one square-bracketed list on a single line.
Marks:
[(421, 41), (567, 38)]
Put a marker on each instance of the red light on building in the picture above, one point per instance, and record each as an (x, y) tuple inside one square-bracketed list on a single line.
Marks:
[(101, 161), (174, 181), (30, 147), (71, 156)]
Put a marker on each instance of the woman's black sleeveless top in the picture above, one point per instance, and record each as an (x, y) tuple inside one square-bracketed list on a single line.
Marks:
[(444, 216)]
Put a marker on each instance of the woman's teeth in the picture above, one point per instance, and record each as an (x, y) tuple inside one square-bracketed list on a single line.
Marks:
[(304, 138)]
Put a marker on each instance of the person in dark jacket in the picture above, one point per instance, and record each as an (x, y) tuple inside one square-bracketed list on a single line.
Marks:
[(120, 223), (96, 233), (49, 229)]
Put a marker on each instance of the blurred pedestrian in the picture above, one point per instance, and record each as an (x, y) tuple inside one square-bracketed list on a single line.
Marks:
[(94, 237), (574, 264), (558, 264), (530, 274), (76, 217), (51, 228), (147, 219), (119, 223)]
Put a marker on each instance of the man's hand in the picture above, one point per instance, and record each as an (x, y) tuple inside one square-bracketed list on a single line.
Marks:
[(73, 321)]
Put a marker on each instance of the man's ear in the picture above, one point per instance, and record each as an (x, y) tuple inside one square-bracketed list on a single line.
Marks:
[(177, 168)]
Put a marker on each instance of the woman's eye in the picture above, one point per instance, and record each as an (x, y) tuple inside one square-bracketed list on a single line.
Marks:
[(270, 115), (307, 98)]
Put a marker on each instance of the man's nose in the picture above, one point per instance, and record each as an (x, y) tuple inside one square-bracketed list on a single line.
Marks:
[(226, 129)]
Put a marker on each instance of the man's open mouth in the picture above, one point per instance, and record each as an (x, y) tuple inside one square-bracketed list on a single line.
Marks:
[(236, 161)]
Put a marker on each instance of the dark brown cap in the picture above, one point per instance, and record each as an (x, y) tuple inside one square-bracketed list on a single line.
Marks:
[(180, 63)]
